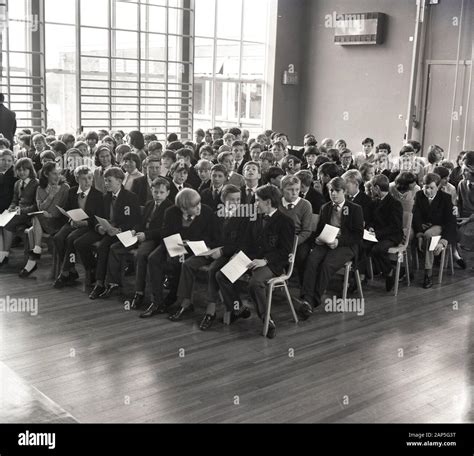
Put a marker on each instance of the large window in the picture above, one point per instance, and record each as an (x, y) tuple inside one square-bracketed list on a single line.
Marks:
[(231, 52), (112, 64)]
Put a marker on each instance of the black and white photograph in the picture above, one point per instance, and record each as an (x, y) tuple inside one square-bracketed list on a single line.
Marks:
[(237, 212)]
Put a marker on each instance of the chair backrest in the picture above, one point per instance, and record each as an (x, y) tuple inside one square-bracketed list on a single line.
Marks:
[(314, 222), (292, 258), (407, 221)]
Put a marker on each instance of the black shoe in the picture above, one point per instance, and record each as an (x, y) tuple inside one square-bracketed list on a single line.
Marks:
[(137, 301), (24, 273), (153, 309), (428, 282), (4, 262), (271, 330), (61, 281), (305, 310), (207, 321), (389, 282), (96, 292), (178, 315), (109, 291), (244, 312), (461, 263), (72, 277)]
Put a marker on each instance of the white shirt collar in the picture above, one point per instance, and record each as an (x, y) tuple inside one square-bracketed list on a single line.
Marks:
[(79, 191), (26, 181), (339, 205), (285, 203), (272, 212), (116, 194)]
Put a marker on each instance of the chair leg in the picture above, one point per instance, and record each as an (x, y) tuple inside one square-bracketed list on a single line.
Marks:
[(346, 282), (397, 274), (371, 269), (290, 301), (359, 284), (269, 307), (407, 268), (441, 266), (451, 258), (417, 259)]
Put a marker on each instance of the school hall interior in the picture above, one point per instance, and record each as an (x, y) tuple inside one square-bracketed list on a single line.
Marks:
[(236, 211)]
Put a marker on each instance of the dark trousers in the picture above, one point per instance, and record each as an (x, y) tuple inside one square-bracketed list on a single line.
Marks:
[(118, 254), (302, 253), (321, 266), (64, 241), (83, 247), (257, 290), (379, 253), (159, 263)]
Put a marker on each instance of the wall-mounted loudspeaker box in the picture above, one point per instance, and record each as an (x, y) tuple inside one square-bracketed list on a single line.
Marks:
[(360, 28)]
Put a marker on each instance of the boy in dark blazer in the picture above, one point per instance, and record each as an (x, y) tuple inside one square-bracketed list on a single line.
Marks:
[(194, 222), (269, 243), (178, 181), (387, 224), (149, 234), (212, 196), (90, 200), (433, 216), (325, 259), (122, 210), (142, 186)]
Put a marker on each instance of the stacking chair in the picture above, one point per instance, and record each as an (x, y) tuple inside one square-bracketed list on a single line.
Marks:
[(401, 251), (281, 282)]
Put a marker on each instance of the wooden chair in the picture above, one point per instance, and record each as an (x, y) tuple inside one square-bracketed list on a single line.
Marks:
[(347, 269), (401, 251), (281, 282)]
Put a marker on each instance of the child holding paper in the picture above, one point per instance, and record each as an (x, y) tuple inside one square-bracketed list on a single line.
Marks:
[(193, 222), (51, 192), (331, 252), (433, 216), (149, 236), (90, 200), (268, 244)]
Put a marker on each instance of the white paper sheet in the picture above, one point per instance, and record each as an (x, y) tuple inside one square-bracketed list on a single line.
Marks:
[(329, 233), (236, 267), (209, 252), (174, 245), (369, 236), (434, 242), (76, 215), (127, 239), (197, 247), (5, 217)]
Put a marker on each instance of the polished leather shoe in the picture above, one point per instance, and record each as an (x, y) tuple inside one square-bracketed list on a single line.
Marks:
[(427, 282), (244, 312), (178, 315), (109, 291), (4, 262), (460, 262), (96, 292), (153, 309), (61, 281), (207, 321), (305, 310), (24, 273), (389, 282), (137, 301), (271, 330), (72, 277)]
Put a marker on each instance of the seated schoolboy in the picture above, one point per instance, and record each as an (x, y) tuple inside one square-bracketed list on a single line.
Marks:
[(353, 180), (186, 156), (228, 160), (179, 176), (168, 158), (252, 178), (142, 186), (212, 196), (203, 168), (307, 192)]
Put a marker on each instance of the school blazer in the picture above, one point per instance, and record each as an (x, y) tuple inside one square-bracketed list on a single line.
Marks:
[(7, 184), (174, 189), (387, 220), (94, 204), (272, 241), (352, 224), (154, 231), (126, 212), (439, 212), (316, 199), (27, 200), (234, 233), (366, 203), (143, 191), (208, 199)]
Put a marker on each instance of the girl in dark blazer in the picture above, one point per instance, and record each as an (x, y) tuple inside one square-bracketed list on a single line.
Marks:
[(23, 202)]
